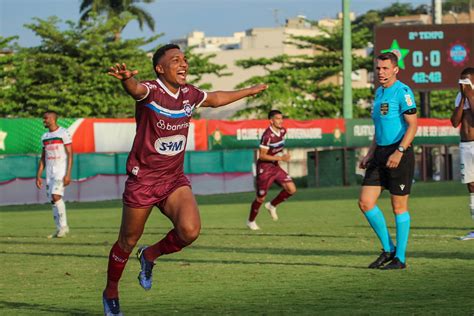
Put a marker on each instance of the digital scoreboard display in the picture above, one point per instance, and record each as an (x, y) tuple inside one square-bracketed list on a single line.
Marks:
[(431, 57)]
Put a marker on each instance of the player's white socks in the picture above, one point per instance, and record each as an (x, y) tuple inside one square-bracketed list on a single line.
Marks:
[(471, 205), (61, 212), (56, 216)]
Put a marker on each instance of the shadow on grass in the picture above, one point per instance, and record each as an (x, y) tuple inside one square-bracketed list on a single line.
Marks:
[(193, 261), (274, 251), (21, 306), (67, 241)]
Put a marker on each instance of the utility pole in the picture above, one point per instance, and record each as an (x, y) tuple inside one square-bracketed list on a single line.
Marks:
[(436, 11), (347, 60)]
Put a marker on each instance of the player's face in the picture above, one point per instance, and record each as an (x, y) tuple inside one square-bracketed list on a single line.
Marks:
[(49, 120), (277, 121), (386, 72), (173, 68)]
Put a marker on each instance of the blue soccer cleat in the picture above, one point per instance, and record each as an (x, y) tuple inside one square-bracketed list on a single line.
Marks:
[(469, 236), (145, 276), (111, 306)]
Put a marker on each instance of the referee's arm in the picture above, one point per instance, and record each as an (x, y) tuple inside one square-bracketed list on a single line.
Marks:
[(411, 121), (394, 159)]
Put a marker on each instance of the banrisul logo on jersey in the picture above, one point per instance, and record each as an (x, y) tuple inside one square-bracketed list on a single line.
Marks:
[(171, 145)]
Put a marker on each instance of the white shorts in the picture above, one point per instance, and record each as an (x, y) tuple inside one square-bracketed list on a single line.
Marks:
[(467, 161), (54, 186)]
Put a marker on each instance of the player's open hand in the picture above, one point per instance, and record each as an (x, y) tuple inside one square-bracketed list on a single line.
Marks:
[(121, 72), (39, 183), (257, 89)]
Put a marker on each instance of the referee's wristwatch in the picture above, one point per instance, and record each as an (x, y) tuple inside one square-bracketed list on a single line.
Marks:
[(401, 149)]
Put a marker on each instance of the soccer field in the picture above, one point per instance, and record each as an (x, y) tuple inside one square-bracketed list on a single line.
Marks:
[(312, 261)]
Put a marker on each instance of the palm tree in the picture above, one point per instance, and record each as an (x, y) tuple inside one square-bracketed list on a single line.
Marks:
[(113, 8)]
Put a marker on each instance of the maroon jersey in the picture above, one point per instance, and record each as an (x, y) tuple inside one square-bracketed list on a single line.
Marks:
[(162, 118), (274, 141)]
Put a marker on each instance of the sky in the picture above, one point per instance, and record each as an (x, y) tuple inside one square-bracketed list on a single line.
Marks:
[(177, 18)]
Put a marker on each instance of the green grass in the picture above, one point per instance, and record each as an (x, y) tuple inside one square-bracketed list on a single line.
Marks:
[(312, 261)]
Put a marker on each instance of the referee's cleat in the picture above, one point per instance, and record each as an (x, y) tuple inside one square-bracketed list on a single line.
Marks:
[(396, 264), (145, 275), (111, 306), (384, 257)]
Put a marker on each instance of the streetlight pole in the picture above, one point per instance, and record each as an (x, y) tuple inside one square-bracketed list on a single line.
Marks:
[(347, 60)]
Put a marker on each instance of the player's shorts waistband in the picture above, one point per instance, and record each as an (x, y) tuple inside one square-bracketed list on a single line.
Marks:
[(466, 142), (469, 144), (389, 146)]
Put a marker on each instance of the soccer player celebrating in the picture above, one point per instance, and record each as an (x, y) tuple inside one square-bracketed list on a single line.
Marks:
[(155, 164), (463, 114), (268, 170), (390, 161), (57, 157)]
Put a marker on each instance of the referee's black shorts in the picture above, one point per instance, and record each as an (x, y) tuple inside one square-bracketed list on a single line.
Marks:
[(398, 180)]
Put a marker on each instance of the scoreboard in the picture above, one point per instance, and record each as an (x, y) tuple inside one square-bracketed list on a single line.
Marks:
[(431, 57)]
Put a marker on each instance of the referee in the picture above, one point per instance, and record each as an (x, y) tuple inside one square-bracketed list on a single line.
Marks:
[(390, 161)]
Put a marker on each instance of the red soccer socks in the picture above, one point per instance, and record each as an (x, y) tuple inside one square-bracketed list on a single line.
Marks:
[(281, 197), (117, 260), (254, 210), (171, 243)]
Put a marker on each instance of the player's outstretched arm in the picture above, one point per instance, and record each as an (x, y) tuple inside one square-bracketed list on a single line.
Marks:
[(129, 83), (220, 98)]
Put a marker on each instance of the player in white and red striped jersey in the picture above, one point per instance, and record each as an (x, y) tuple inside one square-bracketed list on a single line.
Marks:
[(56, 156)]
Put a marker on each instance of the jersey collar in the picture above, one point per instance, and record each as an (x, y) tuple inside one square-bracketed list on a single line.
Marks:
[(277, 133), (171, 94), (394, 85)]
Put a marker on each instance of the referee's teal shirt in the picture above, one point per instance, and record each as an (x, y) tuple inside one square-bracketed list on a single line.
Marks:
[(387, 112)]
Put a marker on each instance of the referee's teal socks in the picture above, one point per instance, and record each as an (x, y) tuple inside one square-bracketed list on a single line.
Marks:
[(403, 229), (377, 221)]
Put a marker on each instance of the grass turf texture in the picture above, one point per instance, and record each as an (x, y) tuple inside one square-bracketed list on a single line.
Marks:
[(312, 261)]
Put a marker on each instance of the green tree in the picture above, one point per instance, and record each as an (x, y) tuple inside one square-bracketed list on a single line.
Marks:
[(296, 82), (457, 6), (8, 63), (369, 20), (67, 71), (116, 8)]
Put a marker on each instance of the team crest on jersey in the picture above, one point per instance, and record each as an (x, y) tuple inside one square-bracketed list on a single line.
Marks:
[(384, 108), (188, 109), (185, 90)]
